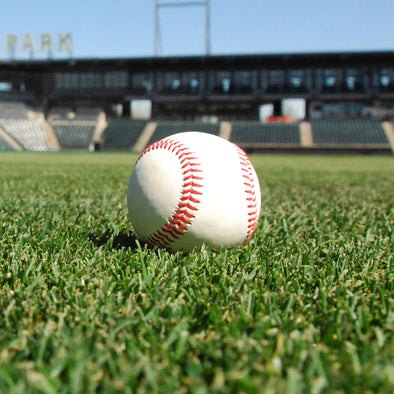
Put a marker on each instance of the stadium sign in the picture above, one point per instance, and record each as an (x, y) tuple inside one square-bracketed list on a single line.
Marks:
[(46, 43)]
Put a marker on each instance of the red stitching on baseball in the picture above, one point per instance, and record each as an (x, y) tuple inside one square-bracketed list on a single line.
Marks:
[(247, 174), (184, 213)]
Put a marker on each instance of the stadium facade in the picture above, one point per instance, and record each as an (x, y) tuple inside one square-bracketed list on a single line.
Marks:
[(222, 88)]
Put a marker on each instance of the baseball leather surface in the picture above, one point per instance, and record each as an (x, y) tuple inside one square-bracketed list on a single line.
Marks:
[(193, 188)]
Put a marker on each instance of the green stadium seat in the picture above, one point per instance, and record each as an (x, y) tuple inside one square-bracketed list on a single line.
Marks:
[(122, 134), (348, 131), (74, 129), (74, 135), (254, 132), (166, 128)]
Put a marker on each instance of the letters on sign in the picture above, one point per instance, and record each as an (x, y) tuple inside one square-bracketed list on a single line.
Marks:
[(47, 43)]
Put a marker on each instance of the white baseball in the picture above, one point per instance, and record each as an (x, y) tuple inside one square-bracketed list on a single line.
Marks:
[(193, 188)]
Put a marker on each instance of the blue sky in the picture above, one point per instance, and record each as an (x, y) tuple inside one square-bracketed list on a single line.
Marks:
[(125, 28)]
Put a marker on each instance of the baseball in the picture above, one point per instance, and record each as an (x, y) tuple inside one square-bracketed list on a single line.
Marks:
[(194, 188)]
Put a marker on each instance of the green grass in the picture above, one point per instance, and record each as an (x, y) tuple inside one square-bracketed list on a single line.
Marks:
[(306, 306)]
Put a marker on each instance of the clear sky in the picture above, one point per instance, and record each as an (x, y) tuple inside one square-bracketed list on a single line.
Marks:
[(125, 28)]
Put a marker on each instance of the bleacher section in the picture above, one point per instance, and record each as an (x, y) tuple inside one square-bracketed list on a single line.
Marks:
[(166, 128), (28, 133), (74, 130), (264, 135), (121, 134), (24, 126), (348, 132), (74, 134)]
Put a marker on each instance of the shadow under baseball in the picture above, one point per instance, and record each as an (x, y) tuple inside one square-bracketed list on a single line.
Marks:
[(118, 241)]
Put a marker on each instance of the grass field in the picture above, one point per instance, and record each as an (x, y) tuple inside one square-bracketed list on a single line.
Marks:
[(305, 307)]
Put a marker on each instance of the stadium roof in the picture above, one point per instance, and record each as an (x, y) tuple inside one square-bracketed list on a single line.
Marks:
[(253, 60)]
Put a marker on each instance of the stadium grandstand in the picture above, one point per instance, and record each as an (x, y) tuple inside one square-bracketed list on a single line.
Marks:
[(345, 102)]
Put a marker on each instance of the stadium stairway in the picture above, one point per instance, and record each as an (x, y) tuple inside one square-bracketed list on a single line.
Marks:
[(225, 130), (101, 125), (7, 142), (388, 128), (53, 142), (306, 136), (145, 137)]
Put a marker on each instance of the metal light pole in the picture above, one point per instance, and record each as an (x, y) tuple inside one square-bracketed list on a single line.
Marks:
[(158, 47)]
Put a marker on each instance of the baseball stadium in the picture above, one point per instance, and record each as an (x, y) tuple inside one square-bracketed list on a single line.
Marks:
[(310, 103), (305, 306)]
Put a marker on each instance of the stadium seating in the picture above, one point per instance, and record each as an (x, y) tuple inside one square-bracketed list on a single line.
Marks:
[(74, 130), (74, 134), (348, 131), (260, 134), (121, 134), (166, 128), (29, 133), (24, 126)]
